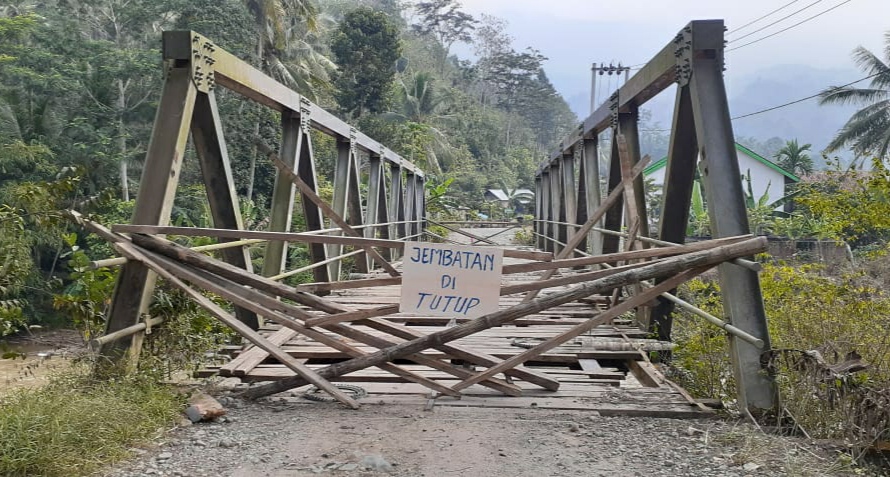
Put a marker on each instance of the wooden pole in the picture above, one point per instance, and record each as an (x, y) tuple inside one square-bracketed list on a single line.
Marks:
[(310, 376), (667, 267)]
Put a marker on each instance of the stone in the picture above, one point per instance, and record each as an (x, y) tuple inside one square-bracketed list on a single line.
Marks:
[(203, 407), (348, 467), (164, 456), (750, 467), (376, 462)]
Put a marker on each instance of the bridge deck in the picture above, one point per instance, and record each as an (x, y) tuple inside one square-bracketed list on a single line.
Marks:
[(602, 371)]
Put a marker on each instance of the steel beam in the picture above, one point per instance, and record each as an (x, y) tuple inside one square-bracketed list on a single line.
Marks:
[(612, 221), (557, 208), (311, 213), (742, 299), (216, 169), (396, 204), (546, 210), (591, 197), (569, 195), (235, 74), (342, 169), (283, 193), (679, 177)]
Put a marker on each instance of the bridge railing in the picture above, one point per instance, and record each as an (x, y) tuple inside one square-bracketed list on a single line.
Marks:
[(195, 67), (568, 187)]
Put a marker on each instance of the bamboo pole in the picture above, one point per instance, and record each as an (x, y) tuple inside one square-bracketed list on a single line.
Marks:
[(96, 343), (118, 261)]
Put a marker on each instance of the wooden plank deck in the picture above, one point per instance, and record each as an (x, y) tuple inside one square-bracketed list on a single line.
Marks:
[(598, 372)]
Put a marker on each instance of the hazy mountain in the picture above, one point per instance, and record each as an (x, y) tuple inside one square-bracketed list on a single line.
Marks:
[(806, 121)]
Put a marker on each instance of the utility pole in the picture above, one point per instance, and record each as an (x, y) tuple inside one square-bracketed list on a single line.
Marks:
[(603, 69)]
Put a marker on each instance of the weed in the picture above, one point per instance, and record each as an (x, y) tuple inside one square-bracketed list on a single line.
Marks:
[(75, 424)]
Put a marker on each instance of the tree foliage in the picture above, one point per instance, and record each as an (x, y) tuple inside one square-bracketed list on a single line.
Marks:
[(867, 131), (366, 45), (793, 158)]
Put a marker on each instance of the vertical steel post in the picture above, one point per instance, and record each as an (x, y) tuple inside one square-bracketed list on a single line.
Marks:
[(569, 197), (410, 203), (396, 205), (342, 168), (740, 287), (538, 226), (355, 214), (612, 220), (592, 194), (546, 210), (283, 192), (376, 190), (557, 208)]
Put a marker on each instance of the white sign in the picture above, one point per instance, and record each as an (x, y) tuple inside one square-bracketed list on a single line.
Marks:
[(450, 280)]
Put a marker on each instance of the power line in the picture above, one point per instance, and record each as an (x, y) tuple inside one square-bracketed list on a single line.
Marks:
[(792, 26), (801, 99), (792, 2), (746, 35)]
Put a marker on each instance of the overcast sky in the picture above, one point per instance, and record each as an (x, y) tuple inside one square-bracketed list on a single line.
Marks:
[(575, 33)]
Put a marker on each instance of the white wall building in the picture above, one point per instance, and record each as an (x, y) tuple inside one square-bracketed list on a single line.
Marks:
[(764, 174)]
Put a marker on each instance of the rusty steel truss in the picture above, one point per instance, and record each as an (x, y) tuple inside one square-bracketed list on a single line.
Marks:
[(195, 68), (568, 188)]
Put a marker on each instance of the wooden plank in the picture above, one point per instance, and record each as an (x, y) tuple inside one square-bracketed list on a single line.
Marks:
[(252, 357), (349, 284), (582, 328), (645, 373), (615, 257), (185, 255), (667, 267), (292, 236), (131, 252), (357, 315)]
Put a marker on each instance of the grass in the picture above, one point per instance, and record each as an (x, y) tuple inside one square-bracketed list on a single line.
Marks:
[(74, 425)]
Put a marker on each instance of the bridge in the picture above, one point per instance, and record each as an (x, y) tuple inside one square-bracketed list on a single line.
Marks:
[(578, 316)]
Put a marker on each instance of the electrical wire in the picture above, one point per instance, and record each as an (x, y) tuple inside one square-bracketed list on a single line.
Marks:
[(746, 35), (802, 99), (792, 26), (792, 2)]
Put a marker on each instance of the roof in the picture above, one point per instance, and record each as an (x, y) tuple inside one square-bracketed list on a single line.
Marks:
[(757, 157)]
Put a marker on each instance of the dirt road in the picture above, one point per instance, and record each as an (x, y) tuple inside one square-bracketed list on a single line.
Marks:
[(294, 437)]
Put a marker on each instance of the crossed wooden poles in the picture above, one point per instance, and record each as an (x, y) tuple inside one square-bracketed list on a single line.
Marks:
[(328, 321)]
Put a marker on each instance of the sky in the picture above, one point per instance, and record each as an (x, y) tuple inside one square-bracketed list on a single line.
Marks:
[(575, 33)]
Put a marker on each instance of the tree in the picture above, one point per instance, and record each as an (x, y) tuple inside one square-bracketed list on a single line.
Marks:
[(366, 46), (867, 131), (420, 102), (794, 158), (444, 20)]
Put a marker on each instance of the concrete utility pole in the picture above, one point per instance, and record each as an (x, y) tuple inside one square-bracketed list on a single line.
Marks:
[(604, 69)]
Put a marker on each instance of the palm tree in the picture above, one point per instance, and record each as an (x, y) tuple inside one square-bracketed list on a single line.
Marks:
[(288, 49), (794, 158), (867, 131), (420, 102)]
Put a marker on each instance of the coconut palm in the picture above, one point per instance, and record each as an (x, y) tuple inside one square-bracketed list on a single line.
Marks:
[(288, 43), (794, 158), (867, 131), (420, 102)]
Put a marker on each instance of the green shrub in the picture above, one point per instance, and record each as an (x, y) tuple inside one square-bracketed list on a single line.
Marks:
[(74, 425), (807, 310)]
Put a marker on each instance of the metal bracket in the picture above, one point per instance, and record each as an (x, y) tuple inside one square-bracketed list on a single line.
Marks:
[(305, 112), (146, 318), (683, 54), (353, 141), (613, 107), (202, 64)]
